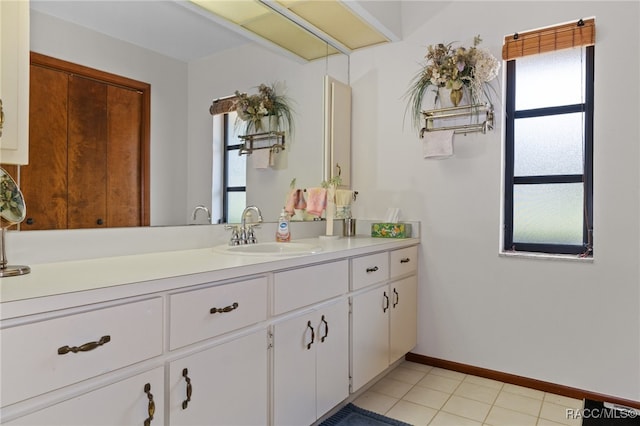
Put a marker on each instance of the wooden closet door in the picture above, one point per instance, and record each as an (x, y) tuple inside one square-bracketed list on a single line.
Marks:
[(87, 153), (124, 157), (43, 181)]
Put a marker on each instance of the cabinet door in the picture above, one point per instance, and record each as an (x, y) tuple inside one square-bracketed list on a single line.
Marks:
[(87, 152), (404, 309), (332, 356), (294, 370), (44, 180), (14, 81), (370, 335), (228, 384), (121, 403)]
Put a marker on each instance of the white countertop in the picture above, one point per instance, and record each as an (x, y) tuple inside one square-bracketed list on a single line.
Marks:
[(57, 285)]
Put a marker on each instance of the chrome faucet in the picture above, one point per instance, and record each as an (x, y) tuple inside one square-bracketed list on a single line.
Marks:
[(201, 207), (247, 236)]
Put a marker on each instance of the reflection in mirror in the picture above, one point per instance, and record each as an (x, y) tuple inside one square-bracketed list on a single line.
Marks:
[(182, 166)]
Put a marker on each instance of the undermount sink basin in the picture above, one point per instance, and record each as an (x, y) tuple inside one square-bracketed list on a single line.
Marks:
[(270, 249)]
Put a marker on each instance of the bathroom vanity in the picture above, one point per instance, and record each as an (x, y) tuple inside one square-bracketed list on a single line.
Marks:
[(196, 337)]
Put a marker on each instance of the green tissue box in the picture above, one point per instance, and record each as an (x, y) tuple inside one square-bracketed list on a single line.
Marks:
[(391, 230)]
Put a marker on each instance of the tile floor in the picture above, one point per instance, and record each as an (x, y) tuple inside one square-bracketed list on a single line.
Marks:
[(422, 395)]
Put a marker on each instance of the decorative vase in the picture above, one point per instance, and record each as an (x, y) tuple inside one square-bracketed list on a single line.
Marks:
[(450, 97)]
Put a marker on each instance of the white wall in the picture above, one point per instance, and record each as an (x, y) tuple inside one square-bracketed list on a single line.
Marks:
[(567, 322), (53, 37), (251, 65)]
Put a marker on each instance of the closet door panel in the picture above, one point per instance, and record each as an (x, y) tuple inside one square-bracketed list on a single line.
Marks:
[(124, 156), (87, 144), (44, 181)]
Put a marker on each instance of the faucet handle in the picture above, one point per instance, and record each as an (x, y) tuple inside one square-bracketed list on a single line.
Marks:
[(251, 236), (235, 235)]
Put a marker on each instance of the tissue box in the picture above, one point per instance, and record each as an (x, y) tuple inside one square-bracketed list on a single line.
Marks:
[(391, 230)]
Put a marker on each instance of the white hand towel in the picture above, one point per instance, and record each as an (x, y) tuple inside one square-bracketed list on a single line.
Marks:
[(260, 158), (438, 144)]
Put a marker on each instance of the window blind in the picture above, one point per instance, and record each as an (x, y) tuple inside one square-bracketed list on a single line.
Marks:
[(580, 33), (222, 105)]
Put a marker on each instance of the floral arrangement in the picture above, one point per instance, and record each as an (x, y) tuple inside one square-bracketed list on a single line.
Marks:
[(457, 69), (11, 201), (251, 109)]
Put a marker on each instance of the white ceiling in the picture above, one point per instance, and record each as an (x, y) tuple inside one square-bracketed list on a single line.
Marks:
[(173, 28)]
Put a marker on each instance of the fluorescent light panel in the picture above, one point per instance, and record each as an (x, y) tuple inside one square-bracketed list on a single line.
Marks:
[(263, 21)]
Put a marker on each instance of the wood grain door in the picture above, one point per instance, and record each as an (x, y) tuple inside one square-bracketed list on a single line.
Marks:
[(43, 181), (89, 148), (87, 153)]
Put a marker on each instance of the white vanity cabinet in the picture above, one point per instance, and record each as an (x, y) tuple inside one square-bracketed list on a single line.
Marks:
[(273, 343), (14, 82), (224, 385), (311, 345), (384, 314), (137, 400), (311, 364)]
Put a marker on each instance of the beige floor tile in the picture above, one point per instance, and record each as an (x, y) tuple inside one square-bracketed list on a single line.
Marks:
[(441, 383), (521, 390), (448, 419), (499, 416), (477, 392), (407, 375), (559, 414), (468, 408), (391, 387), (376, 402), (520, 403), (563, 400), (545, 422), (411, 413), (416, 366), (483, 381), (456, 375), (428, 397)]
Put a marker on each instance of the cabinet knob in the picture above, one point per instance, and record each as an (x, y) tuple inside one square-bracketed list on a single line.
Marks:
[(405, 260), (99, 221), (374, 269), (29, 221)]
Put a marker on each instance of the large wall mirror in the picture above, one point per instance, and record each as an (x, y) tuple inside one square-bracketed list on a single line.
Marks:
[(186, 74)]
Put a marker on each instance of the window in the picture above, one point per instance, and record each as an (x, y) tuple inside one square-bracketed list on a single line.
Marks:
[(548, 205), (235, 175)]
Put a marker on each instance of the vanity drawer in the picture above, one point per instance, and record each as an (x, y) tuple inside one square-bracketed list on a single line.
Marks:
[(208, 312), (404, 261), (371, 269), (305, 286), (45, 355)]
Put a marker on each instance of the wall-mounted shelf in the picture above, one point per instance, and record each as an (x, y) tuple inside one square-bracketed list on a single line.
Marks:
[(472, 111), (273, 141)]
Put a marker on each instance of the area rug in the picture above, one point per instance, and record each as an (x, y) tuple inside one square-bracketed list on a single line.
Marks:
[(351, 415), (595, 413)]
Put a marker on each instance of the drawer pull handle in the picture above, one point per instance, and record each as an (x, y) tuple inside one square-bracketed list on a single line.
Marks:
[(326, 328), (386, 305), (185, 403), (374, 269), (151, 408), (225, 309), (84, 348), (405, 260), (313, 335), (397, 298)]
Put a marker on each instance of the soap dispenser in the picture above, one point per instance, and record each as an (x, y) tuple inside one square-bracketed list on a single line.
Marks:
[(283, 234)]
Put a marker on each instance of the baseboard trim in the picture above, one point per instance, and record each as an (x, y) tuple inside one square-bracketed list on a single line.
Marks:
[(519, 380)]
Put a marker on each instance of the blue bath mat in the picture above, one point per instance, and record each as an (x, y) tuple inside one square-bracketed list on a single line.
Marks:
[(350, 415)]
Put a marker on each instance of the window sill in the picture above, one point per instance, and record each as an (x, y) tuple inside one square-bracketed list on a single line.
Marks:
[(545, 256)]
